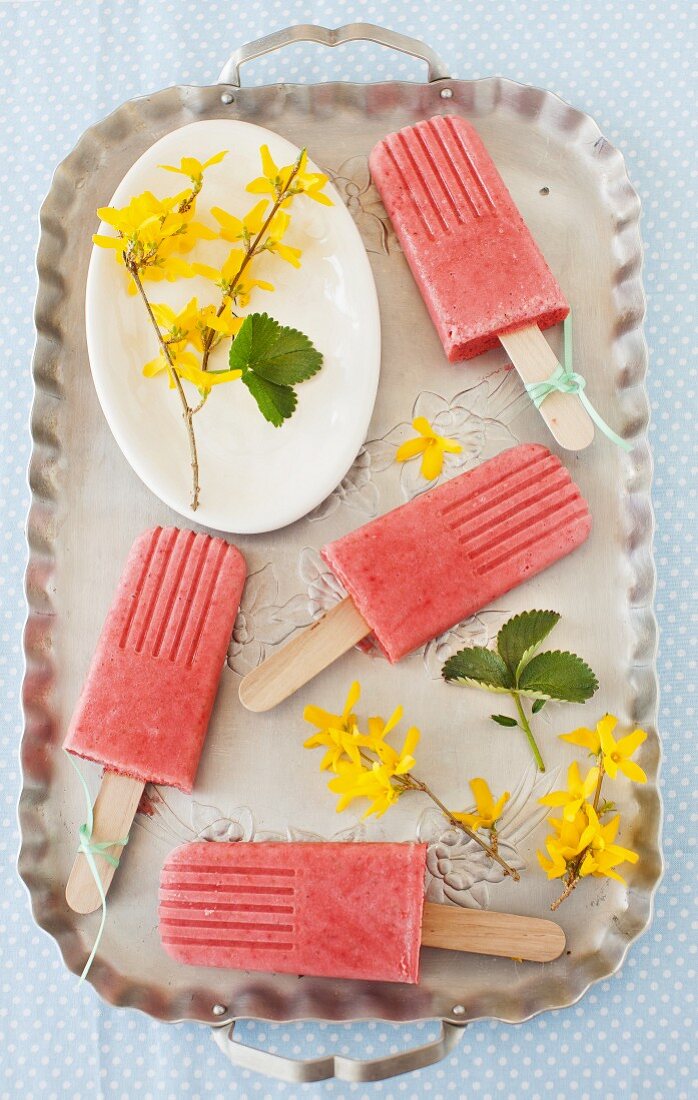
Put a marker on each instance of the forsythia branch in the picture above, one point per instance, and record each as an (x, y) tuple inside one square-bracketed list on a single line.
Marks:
[(365, 765), (187, 411), (250, 253)]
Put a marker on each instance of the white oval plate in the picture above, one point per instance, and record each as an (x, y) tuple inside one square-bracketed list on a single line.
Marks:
[(254, 477)]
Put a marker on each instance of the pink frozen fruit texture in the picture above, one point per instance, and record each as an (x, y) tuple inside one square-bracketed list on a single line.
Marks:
[(145, 706), (478, 268), (435, 561), (323, 909)]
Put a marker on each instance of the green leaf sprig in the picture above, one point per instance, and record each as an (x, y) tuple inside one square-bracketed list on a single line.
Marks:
[(273, 359), (516, 668)]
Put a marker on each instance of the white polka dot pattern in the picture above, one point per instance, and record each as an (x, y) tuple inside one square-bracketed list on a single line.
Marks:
[(629, 65)]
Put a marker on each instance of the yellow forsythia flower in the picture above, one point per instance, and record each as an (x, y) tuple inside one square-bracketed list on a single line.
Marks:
[(603, 855), (225, 323), (187, 366), (615, 755), (398, 763), (378, 729), (145, 218), (430, 445), (189, 236), (357, 781), (151, 234), (577, 792), (242, 229), (588, 838), (247, 230), (487, 810), (338, 733), (275, 181), (569, 839), (177, 326), (187, 327), (358, 774), (233, 285), (324, 719), (193, 168), (556, 865)]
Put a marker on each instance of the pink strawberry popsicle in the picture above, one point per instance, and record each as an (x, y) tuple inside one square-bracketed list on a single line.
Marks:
[(482, 276), (325, 910), (477, 266), (433, 562), (422, 568), (335, 910), (145, 706), (144, 710)]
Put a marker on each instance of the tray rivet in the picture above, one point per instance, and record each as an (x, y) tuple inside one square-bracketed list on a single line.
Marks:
[(227, 97), (446, 93), (458, 1010), (218, 1010)]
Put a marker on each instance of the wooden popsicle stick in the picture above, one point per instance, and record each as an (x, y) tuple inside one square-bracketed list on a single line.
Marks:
[(303, 657), (535, 361), (114, 810), (486, 933)]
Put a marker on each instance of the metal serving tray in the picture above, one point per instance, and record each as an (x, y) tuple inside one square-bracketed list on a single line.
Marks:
[(255, 780)]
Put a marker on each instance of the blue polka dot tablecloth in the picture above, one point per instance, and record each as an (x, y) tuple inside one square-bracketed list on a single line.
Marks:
[(630, 66)]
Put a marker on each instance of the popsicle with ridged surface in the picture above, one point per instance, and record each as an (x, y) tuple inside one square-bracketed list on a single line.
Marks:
[(481, 274), (333, 910), (144, 710), (433, 562)]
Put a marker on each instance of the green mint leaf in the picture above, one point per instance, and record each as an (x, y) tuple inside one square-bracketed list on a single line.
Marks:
[(538, 706), (519, 638), (555, 675), (503, 720), (276, 403), (275, 352), (478, 667)]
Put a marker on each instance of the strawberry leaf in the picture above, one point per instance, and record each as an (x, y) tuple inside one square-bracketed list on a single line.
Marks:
[(555, 675), (276, 403), (520, 637), (504, 720), (479, 667), (274, 352)]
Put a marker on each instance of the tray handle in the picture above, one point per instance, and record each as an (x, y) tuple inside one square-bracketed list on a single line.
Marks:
[(352, 32), (302, 1071)]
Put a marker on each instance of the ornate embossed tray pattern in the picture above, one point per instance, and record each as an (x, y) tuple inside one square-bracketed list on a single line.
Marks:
[(255, 780)]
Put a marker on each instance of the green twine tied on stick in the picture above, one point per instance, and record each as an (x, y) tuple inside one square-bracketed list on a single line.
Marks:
[(91, 848), (565, 379)]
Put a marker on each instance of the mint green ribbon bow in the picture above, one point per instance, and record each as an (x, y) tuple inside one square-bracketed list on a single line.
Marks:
[(91, 848), (566, 380)]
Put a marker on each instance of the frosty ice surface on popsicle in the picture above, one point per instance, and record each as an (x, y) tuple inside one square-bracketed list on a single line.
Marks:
[(333, 910), (456, 548), (340, 910), (479, 270), (144, 710), (145, 706), (477, 266), (429, 564)]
